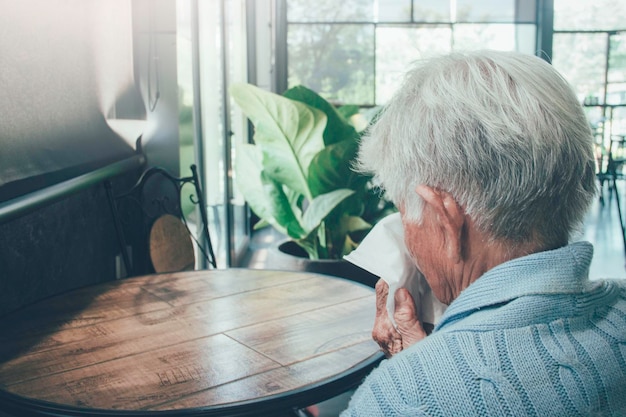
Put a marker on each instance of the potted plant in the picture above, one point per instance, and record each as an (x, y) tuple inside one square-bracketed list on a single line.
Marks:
[(297, 176)]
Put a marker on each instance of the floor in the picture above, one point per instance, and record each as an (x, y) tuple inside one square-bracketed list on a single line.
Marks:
[(601, 228)]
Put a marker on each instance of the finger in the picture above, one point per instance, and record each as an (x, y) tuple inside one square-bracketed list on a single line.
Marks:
[(385, 334), (389, 341), (407, 321), (405, 311), (382, 292), (395, 346)]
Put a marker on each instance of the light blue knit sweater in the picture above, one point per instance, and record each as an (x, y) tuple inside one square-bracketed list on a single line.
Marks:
[(531, 337)]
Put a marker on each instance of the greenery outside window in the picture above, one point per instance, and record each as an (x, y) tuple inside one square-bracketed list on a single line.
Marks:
[(590, 51), (355, 51)]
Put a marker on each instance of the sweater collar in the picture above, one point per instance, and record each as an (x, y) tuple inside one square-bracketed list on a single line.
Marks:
[(563, 270)]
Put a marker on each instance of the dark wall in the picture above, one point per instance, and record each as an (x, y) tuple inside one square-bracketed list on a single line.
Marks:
[(87, 47), (67, 244)]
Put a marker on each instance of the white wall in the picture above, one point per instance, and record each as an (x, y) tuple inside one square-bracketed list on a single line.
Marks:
[(155, 61)]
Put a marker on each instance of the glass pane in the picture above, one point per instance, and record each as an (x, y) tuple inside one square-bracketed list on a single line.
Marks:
[(617, 58), (398, 47), (619, 121), (210, 95), (504, 37), (238, 72), (185, 110), (212, 88), (588, 15), (616, 93), (337, 61), (393, 11), (431, 11), (580, 57), (330, 11), (497, 11)]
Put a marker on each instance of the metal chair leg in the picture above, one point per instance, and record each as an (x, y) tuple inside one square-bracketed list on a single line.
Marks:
[(613, 189)]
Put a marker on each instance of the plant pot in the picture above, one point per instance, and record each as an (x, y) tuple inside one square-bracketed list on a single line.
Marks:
[(291, 257)]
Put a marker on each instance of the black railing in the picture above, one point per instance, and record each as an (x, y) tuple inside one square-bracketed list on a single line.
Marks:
[(18, 206)]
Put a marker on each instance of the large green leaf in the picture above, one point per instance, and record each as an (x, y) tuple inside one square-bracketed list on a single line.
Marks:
[(289, 134), (264, 196), (248, 179), (337, 128), (282, 210), (331, 168), (321, 206)]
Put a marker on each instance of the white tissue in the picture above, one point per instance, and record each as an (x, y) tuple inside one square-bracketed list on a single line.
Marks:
[(384, 254)]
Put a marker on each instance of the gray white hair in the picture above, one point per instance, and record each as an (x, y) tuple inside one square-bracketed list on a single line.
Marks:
[(502, 132)]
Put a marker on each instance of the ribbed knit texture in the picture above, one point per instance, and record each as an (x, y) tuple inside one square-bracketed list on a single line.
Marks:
[(531, 337)]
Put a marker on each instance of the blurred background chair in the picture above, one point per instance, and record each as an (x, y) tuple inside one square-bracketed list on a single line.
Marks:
[(614, 171), (158, 220)]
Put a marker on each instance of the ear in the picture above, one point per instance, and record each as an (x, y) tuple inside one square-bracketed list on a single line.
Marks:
[(451, 218)]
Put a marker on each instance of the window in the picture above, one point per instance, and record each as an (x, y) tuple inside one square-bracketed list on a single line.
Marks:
[(589, 47), (590, 51), (355, 51), (583, 15), (212, 39)]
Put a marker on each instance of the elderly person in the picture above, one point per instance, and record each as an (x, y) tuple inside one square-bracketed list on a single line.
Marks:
[(488, 156)]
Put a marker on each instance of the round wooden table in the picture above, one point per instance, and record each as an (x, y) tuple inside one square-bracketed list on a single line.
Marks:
[(217, 342)]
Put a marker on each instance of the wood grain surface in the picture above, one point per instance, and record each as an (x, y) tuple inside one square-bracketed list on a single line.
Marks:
[(189, 340)]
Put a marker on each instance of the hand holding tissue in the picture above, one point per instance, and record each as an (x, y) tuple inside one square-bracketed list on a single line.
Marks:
[(384, 254)]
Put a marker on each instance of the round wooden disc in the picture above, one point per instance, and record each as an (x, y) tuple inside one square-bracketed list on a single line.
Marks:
[(171, 248)]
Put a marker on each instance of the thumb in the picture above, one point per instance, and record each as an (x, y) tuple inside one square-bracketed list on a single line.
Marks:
[(405, 316)]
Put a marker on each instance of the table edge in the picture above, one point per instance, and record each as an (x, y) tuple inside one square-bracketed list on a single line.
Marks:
[(303, 396)]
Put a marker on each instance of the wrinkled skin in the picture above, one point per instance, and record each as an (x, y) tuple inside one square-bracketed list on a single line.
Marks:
[(409, 329)]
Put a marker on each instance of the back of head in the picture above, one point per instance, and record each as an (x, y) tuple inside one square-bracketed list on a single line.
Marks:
[(503, 132)]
